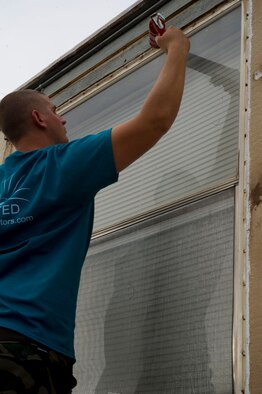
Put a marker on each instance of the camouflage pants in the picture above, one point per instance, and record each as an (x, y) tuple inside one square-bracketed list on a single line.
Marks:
[(30, 369)]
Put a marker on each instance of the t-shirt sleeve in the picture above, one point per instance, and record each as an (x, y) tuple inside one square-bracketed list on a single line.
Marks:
[(87, 165)]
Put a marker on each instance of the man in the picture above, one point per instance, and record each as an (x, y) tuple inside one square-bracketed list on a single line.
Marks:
[(46, 214)]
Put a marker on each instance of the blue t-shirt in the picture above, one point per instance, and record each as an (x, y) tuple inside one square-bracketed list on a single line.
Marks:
[(46, 219)]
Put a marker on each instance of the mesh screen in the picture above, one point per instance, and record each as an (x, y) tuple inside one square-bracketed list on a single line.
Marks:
[(155, 305)]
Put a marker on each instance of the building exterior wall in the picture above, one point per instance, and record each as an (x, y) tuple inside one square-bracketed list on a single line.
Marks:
[(5, 148), (2, 147)]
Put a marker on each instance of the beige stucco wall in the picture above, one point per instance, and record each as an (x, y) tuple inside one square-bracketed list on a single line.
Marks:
[(2, 147), (5, 148), (255, 246)]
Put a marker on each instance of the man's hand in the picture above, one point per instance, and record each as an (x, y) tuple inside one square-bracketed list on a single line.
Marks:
[(173, 39), (133, 138)]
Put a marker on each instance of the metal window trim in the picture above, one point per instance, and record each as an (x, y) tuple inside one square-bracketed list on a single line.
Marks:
[(144, 58), (191, 198), (240, 308), (65, 72)]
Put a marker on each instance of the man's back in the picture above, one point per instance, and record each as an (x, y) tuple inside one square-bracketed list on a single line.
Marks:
[(46, 218)]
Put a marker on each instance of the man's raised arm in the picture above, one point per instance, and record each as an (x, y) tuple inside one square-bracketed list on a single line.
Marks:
[(134, 137)]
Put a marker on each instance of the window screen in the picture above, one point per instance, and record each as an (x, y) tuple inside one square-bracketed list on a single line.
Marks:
[(200, 150), (155, 305)]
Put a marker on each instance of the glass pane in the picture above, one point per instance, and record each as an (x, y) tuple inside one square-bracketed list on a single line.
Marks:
[(201, 149), (155, 305)]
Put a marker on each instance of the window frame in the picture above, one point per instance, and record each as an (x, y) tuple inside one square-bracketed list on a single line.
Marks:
[(240, 313)]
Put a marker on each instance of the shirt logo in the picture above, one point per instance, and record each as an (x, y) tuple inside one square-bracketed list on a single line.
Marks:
[(11, 196)]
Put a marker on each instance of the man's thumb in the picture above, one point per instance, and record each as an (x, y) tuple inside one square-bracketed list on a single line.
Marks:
[(156, 40)]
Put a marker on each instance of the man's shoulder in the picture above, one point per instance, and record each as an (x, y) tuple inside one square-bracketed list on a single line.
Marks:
[(88, 139), (86, 146)]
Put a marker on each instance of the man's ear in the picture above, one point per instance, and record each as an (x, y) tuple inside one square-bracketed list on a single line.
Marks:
[(38, 119)]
